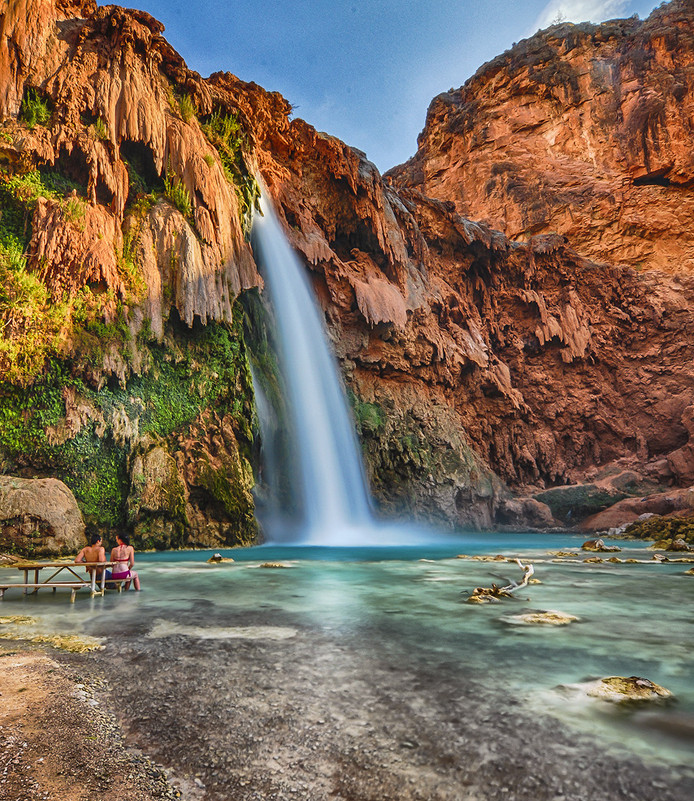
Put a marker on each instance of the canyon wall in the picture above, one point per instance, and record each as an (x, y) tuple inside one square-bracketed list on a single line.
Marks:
[(583, 130), (527, 368)]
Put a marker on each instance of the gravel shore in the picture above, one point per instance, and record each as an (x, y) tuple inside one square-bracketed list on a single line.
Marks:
[(283, 713)]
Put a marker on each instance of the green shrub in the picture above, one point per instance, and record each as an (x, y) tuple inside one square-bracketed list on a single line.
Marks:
[(186, 107), (176, 192), (224, 131), (34, 109), (100, 129), (135, 284), (31, 323), (74, 211)]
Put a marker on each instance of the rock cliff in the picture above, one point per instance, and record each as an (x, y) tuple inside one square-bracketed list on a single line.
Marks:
[(584, 130), (482, 364)]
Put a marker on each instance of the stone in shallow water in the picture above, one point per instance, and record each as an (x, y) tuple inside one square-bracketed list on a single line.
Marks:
[(619, 689), (599, 545), (498, 558), (217, 558), (548, 617), (274, 565)]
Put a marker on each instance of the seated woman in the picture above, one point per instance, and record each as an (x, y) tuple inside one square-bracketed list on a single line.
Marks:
[(123, 555), (94, 552)]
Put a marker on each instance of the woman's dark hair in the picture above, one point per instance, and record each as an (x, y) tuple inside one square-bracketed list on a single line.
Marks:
[(124, 538)]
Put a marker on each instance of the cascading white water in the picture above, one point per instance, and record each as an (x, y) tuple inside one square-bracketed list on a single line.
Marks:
[(330, 480)]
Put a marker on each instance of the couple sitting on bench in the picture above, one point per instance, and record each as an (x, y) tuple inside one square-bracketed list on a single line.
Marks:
[(123, 556)]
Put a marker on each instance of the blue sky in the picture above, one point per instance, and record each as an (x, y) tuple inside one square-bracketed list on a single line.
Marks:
[(362, 70)]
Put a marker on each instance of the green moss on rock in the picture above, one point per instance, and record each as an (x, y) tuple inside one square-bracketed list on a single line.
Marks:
[(663, 529)]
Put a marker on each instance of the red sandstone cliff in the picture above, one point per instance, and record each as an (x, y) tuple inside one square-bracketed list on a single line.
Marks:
[(478, 363), (584, 130)]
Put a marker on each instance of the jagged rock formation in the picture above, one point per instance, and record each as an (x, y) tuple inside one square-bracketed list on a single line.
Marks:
[(479, 366), (584, 130)]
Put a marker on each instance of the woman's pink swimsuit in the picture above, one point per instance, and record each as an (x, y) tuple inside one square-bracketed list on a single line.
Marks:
[(123, 574)]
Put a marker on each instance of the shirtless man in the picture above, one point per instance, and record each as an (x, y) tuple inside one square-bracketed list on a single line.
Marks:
[(93, 553)]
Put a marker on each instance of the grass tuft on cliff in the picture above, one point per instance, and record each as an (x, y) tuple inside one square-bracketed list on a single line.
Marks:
[(225, 133), (34, 109)]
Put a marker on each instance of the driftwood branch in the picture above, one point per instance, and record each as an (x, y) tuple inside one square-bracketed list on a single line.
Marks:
[(494, 594)]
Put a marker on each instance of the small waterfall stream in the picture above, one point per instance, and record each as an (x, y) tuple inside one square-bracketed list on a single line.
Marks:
[(328, 480)]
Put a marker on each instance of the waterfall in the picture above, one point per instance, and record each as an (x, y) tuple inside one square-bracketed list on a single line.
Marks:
[(327, 480)]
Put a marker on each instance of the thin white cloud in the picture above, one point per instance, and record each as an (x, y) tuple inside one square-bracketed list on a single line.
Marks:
[(580, 11)]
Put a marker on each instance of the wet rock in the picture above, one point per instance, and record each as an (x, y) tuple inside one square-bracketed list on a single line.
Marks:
[(549, 617), (678, 545), (599, 546), (524, 513), (217, 558), (619, 689)]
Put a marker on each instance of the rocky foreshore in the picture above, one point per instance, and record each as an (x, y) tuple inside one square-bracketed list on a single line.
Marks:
[(339, 721)]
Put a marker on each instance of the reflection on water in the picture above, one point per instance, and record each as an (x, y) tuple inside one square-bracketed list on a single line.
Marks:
[(634, 619)]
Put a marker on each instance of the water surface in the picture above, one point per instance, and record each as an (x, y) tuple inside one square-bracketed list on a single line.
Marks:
[(634, 619)]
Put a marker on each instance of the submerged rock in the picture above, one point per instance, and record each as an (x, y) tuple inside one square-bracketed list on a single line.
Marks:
[(217, 558), (549, 617)]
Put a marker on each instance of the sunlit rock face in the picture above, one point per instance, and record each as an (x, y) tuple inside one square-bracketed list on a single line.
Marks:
[(111, 80), (482, 363), (584, 130)]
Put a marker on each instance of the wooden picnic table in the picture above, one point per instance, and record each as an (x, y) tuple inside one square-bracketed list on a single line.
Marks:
[(73, 581)]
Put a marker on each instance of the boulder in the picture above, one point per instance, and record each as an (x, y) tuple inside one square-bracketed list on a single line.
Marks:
[(599, 546), (677, 545), (524, 513), (620, 689), (39, 517)]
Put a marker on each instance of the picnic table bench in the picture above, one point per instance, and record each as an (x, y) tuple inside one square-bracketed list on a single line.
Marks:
[(73, 581)]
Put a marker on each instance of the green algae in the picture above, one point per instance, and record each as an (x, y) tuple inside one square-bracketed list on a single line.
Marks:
[(191, 371)]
